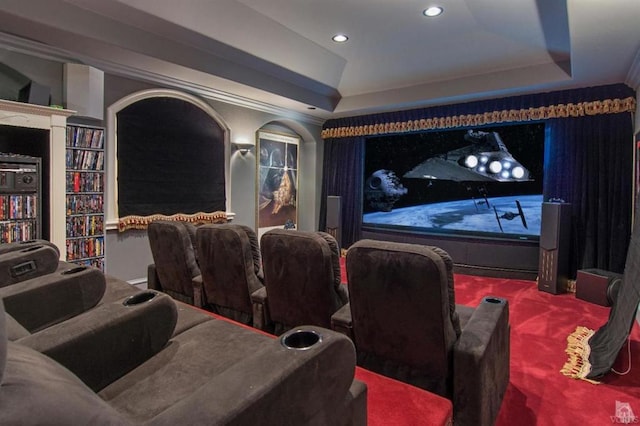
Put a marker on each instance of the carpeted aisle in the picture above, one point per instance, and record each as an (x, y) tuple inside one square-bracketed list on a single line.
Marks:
[(538, 394)]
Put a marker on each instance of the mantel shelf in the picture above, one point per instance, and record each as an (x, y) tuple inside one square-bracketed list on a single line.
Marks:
[(17, 108)]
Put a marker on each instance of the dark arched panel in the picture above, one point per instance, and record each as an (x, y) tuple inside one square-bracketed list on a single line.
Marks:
[(170, 159)]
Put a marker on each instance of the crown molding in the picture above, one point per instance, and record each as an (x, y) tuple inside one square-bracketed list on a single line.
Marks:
[(40, 50)]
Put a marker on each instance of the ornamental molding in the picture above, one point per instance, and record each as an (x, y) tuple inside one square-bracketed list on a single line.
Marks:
[(581, 109), (142, 222)]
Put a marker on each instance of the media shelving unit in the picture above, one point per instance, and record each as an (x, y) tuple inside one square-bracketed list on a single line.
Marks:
[(85, 184), (20, 198)]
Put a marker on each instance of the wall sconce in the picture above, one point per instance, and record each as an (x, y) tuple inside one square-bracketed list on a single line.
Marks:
[(243, 148)]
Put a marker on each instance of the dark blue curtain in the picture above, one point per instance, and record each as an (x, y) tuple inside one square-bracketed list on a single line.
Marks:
[(588, 160), (342, 176), (589, 163)]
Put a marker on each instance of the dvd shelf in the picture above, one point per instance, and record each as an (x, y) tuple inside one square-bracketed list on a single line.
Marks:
[(19, 197), (85, 195)]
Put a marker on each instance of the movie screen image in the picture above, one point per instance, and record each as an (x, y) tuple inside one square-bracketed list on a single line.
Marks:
[(480, 182)]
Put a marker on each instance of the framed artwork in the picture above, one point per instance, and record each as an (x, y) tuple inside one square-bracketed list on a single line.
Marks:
[(277, 186)]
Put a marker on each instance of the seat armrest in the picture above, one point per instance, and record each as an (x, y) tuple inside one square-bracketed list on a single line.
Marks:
[(198, 291), (341, 321), (481, 363), (269, 389), (28, 263), (47, 300), (153, 282), (261, 318), (107, 342)]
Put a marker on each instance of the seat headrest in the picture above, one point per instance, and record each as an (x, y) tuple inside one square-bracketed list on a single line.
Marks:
[(406, 251), (171, 240), (295, 239)]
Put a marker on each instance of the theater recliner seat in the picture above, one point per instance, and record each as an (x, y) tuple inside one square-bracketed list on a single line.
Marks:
[(39, 303), (213, 373), (301, 278), (71, 291), (231, 267), (405, 324), (175, 270)]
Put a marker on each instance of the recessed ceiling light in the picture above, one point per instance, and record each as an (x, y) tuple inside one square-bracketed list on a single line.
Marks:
[(339, 38), (432, 11)]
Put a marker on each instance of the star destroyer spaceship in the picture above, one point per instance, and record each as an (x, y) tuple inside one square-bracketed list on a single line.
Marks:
[(486, 159)]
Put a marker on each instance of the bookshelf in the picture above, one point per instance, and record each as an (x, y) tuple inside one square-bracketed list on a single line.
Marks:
[(20, 198), (84, 188)]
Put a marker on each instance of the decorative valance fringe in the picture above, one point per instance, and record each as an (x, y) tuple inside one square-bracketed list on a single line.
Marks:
[(142, 222), (578, 350), (581, 109)]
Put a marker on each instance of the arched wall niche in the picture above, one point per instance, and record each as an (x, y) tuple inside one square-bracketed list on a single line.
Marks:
[(112, 142)]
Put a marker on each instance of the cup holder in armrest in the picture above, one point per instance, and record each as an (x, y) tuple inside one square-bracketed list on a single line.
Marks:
[(301, 339), (74, 270), (137, 299), (493, 300)]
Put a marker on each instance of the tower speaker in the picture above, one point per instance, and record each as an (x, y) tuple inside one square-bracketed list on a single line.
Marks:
[(555, 233), (334, 216)]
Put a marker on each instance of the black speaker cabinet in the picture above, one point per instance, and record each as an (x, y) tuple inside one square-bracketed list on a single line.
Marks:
[(334, 217), (34, 93), (597, 286), (555, 241)]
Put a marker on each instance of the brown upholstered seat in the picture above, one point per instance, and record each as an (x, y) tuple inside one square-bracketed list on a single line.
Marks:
[(59, 296), (301, 277), (404, 322), (231, 269), (71, 293), (127, 371), (175, 270)]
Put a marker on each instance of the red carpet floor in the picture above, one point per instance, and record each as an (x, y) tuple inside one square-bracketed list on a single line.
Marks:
[(393, 403), (538, 394)]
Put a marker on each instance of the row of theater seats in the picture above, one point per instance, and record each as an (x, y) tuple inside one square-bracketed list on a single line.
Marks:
[(399, 310), (285, 280), (79, 347)]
